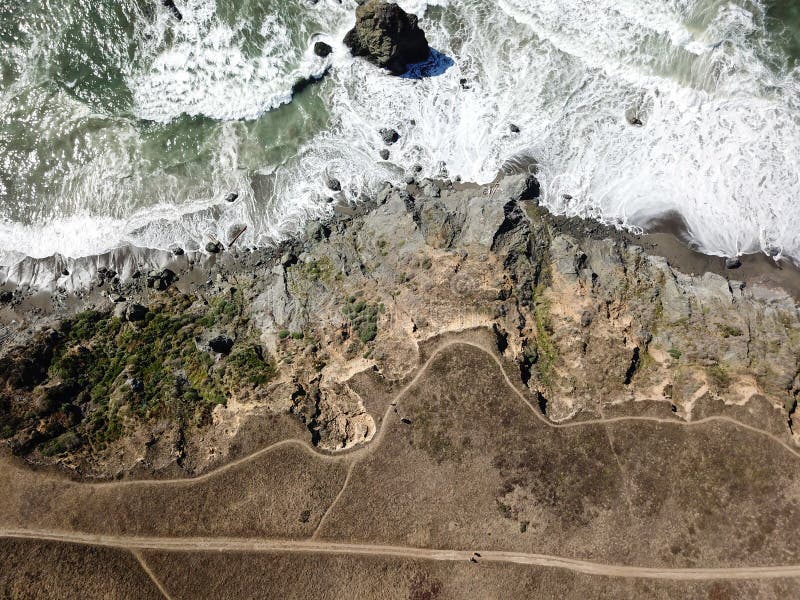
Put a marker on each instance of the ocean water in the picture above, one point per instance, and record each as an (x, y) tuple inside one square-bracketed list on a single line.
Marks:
[(120, 124)]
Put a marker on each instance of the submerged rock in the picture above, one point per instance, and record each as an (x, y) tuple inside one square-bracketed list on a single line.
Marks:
[(387, 36)]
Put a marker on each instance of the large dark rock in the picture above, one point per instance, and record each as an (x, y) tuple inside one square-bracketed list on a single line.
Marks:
[(387, 36), (170, 6), (322, 49), (221, 344)]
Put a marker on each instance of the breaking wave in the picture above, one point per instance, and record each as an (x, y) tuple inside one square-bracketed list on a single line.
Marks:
[(634, 109)]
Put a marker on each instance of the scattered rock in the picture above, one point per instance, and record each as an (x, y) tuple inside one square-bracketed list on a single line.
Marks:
[(432, 190), (514, 128), (135, 312), (333, 184), (170, 5), (732, 263), (387, 36), (160, 280), (176, 250), (6, 297), (232, 197), (322, 49), (384, 154), (463, 83), (221, 344), (389, 136), (213, 247), (136, 385)]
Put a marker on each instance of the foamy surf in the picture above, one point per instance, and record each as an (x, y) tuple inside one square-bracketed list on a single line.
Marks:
[(633, 110)]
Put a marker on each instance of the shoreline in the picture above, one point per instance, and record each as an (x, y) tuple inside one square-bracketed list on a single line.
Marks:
[(360, 292), (61, 276)]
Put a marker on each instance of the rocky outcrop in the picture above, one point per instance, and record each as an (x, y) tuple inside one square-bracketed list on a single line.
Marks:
[(591, 324), (387, 36)]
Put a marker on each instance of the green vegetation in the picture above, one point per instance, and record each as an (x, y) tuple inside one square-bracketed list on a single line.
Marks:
[(674, 353), (719, 376), (728, 331), (119, 372), (363, 318), (320, 269), (546, 350)]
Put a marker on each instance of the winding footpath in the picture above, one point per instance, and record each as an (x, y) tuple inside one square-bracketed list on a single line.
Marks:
[(313, 545)]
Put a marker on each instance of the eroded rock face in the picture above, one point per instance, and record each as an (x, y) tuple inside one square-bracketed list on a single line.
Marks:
[(589, 324), (387, 36)]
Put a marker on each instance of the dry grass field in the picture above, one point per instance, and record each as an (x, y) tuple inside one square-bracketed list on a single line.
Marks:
[(462, 461)]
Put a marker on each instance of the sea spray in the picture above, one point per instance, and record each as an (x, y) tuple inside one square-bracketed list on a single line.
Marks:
[(632, 109)]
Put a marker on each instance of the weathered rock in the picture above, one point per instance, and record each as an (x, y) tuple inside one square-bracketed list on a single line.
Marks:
[(384, 154), (387, 36), (732, 263), (221, 344), (213, 247), (322, 49), (170, 6), (160, 280), (389, 136), (6, 297), (135, 312), (333, 184), (232, 197), (513, 128)]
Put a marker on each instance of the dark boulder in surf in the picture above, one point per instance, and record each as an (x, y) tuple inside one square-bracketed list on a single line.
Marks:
[(387, 36), (389, 136), (170, 6), (322, 49)]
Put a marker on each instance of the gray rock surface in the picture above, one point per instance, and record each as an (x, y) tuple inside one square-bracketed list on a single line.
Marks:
[(387, 36)]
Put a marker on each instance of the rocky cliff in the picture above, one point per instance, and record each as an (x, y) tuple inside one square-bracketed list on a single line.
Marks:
[(185, 371)]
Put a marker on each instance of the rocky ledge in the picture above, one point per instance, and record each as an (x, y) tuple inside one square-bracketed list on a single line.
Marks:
[(216, 359)]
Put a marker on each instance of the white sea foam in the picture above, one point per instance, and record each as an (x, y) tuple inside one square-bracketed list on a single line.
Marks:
[(719, 143), (207, 71)]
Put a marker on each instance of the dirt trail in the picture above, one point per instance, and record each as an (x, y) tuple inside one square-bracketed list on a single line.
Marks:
[(313, 545), (225, 544), (156, 581), (355, 453)]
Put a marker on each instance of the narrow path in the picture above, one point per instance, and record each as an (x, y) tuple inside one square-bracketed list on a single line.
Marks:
[(354, 454), (328, 510), (224, 544), (138, 556)]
